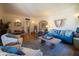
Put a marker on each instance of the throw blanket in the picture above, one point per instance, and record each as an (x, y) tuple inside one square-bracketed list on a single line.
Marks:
[(31, 52), (27, 51), (7, 40)]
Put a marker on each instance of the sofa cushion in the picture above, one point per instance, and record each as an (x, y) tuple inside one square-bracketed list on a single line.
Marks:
[(62, 32), (56, 31), (68, 33)]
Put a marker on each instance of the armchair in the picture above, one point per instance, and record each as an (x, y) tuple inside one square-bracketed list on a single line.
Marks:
[(11, 41)]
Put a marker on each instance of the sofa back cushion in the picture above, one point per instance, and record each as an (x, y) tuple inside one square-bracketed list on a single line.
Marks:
[(62, 32), (68, 33)]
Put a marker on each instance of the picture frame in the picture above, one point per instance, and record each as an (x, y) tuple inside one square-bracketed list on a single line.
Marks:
[(17, 24), (59, 22), (42, 24)]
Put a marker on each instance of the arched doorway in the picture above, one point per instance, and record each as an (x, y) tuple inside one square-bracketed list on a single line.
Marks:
[(42, 25)]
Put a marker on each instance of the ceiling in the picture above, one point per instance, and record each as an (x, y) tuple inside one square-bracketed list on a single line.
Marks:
[(35, 9)]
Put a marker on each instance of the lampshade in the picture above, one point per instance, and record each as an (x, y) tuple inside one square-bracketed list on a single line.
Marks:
[(18, 20)]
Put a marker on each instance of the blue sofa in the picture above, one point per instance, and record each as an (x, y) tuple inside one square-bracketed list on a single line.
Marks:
[(64, 35)]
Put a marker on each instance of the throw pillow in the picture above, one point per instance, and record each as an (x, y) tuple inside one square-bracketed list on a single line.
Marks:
[(68, 33), (62, 32)]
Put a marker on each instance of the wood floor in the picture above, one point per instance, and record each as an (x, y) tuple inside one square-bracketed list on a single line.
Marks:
[(29, 37), (61, 49)]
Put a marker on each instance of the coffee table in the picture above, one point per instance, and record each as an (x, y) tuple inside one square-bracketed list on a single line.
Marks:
[(50, 42)]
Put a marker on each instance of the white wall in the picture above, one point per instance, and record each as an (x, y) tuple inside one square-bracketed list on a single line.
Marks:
[(68, 15)]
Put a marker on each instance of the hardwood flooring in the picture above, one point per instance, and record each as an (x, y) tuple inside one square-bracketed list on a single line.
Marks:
[(61, 49)]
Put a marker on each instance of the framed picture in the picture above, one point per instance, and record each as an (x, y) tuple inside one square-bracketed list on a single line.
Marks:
[(42, 24), (17, 24), (59, 23)]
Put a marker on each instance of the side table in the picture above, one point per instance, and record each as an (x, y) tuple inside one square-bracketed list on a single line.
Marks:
[(76, 42)]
